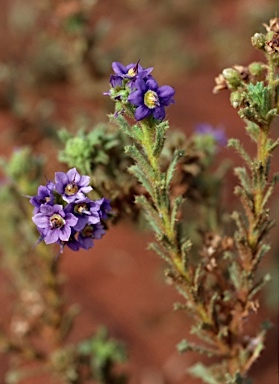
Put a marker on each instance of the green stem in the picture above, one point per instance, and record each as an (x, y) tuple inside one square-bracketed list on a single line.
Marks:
[(164, 211)]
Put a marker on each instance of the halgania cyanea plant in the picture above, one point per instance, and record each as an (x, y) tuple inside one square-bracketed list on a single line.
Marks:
[(214, 266)]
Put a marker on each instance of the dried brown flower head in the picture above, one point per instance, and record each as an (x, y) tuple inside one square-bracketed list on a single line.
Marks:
[(273, 25), (272, 46), (220, 83), (243, 71)]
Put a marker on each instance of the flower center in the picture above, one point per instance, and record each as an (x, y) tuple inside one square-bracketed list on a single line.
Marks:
[(56, 221), (132, 71), (81, 208), (71, 189), (87, 231), (151, 99)]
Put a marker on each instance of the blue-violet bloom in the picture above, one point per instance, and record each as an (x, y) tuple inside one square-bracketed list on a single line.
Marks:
[(86, 211), (104, 207), (150, 99), (90, 232), (54, 224), (217, 133), (130, 71), (71, 185), (44, 196)]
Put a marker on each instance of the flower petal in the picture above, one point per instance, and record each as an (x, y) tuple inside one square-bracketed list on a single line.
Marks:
[(118, 68), (141, 85), (152, 84), (165, 92), (65, 233), (40, 220), (84, 181), (142, 112), (52, 236), (61, 178), (136, 98), (159, 113), (73, 175)]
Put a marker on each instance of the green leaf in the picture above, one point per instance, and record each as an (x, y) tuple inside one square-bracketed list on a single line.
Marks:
[(244, 179), (185, 346), (235, 274), (259, 255), (270, 189), (235, 143), (160, 138), (132, 151), (261, 283), (176, 205), (151, 214), (204, 373), (177, 156), (142, 178), (134, 132), (155, 247)]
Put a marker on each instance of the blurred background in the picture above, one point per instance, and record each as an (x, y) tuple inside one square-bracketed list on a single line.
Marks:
[(55, 62)]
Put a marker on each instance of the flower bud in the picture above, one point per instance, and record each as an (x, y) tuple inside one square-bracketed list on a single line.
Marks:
[(257, 69), (258, 41), (236, 99), (232, 77)]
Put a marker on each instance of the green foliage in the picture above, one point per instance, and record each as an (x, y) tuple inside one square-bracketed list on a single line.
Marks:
[(88, 150), (23, 169), (103, 353), (160, 137), (208, 375)]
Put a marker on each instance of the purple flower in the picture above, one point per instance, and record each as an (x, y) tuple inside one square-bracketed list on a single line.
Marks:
[(54, 224), (72, 242), (90, 232), (131, 72), (71, 186), (104, 207), (86, 211), (44, 196), (63, 213), (151, 99), (217, 133)]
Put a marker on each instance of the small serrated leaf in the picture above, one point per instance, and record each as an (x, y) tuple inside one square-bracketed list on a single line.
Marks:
[(176, 157)]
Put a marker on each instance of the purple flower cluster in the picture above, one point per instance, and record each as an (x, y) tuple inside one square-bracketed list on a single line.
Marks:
[(218, 134), (64, 214), (135, 84)]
